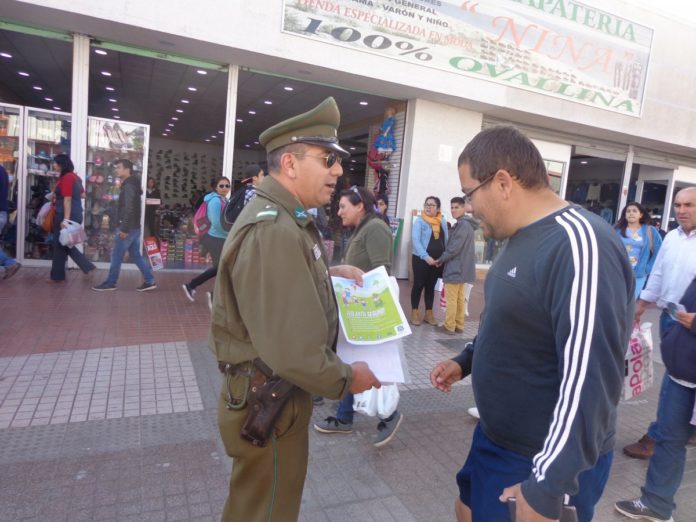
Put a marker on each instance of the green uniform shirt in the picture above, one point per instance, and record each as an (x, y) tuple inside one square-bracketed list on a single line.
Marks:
[(273, 296)]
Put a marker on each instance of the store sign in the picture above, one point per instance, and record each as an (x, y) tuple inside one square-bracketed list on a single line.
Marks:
[(560, 48)]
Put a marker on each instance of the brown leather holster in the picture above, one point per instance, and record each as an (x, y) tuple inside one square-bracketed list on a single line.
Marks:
[(268, 395)]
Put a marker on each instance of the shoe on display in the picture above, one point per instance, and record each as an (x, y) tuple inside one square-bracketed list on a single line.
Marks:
[(333, 425), (643, 449), (209, 295), (12, 270), (474, 412), (190, 292), (387, 429), (636, 510), (104, 287), (145, 287)]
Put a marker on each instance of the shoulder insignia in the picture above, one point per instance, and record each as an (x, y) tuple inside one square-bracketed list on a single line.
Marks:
[(269, 213)]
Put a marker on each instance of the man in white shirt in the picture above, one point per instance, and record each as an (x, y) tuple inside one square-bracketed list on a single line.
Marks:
[(674, 269)]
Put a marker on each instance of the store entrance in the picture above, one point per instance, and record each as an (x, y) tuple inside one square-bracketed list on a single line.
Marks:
[(595, 183)]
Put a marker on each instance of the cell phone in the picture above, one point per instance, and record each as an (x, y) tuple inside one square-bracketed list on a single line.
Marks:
[(568, 514), (673, 308)]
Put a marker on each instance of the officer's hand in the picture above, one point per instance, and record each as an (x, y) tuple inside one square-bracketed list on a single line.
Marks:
[(445, 374), (347, 271), (363, 378)]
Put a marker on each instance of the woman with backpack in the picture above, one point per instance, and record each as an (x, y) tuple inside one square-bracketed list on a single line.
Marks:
[(215, 235), (68, 205)]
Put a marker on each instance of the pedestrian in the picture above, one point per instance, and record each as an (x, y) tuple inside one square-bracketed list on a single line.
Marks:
[(382, 205), (369, 247), (7, 262), (665, 443), (68, 203), (459, 261), (127, 238), (641, 239), (429, 237), (275, 317), (214, 238), (548, 364), (153, 200)]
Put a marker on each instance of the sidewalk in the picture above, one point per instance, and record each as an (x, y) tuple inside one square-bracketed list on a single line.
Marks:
[(108, 404)]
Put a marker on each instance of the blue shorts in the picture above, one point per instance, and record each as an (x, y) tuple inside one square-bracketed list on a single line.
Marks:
[(489, 469)]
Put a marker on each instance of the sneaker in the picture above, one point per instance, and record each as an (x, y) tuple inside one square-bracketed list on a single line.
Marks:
[(318, 400), (387, 430), (190, 292), (209, 295), (333, 425), (146, 287), (474, 412), (10, 271), (449, 332), (104, 287), (636, 510), (643, 449)]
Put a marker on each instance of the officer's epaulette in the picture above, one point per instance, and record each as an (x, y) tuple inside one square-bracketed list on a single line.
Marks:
[(268, 213)]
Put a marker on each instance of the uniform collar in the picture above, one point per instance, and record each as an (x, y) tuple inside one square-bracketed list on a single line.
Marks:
[(274, 191)]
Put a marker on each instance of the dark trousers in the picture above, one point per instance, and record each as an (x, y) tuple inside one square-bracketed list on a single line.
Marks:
[(61, 253), (424, 278), (214, 246)]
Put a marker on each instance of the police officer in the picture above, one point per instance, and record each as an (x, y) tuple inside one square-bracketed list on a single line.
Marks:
[(274, 301)]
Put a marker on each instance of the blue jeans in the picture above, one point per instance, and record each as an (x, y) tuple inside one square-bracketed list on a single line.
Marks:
[(131, 245), (672, 432), (666, 322), (490, 468)]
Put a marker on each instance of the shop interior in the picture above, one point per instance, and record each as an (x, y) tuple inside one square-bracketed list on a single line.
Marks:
[(166, 114)]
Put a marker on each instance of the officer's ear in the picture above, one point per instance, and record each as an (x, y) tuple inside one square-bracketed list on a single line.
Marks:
[(288, 162)]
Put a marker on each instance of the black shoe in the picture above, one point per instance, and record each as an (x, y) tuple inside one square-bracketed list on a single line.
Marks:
[(190, 292), (146, 287), (104, 287), (636, 510), (318, 400)]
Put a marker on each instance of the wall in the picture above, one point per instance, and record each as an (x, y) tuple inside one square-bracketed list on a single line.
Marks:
[(435, 136), (248, 34)]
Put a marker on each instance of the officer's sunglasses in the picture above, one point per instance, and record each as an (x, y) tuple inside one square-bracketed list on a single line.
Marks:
[(331, 158)]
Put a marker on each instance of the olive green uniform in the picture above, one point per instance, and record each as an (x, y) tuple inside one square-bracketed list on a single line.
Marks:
[(273, 299)]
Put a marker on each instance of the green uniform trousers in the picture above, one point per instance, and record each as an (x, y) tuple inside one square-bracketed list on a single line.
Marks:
[(267, 483)]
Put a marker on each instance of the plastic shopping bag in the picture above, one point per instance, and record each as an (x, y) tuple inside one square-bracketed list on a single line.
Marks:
[(639, 361), (377, 401), (72, 235)]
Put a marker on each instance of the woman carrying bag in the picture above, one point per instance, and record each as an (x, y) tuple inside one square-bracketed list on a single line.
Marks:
[(68, 207), (641, 239), (369, 247)]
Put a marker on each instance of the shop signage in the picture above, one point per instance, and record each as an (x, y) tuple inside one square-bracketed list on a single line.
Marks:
[(560, 48)]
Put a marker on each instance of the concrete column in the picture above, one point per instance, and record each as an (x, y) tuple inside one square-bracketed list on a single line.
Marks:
[(230, 121)]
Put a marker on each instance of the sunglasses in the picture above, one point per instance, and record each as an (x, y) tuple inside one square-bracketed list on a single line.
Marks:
[(331, 158), (355, 191), (223, 186)]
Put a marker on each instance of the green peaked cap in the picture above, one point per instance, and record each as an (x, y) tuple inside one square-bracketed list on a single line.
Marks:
[(317, 126)]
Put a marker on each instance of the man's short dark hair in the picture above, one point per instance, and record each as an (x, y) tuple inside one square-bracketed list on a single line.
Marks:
[(457, 200), (505, 147), (273, 157), (126, 163)]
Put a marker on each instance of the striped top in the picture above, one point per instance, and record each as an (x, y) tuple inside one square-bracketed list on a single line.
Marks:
[(548, 366)]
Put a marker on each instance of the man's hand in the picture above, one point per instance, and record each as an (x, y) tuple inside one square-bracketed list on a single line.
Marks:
[(445, 374), (363, 378), (347, 271), (641, 306), (686, 319), (524, 512)]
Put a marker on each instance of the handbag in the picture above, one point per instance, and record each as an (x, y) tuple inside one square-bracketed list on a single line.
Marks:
[(46, 216), (72, 235)]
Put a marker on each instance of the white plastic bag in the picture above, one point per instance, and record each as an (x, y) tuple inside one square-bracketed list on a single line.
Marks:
[(377, 401), (638, 363), (72, 235)]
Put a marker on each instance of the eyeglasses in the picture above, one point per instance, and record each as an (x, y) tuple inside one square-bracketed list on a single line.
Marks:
[(331, 158), (468, 195), (223, 186)]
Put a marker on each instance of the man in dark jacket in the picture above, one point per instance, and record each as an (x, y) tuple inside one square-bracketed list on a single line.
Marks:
[(460, 267), (128, 230)]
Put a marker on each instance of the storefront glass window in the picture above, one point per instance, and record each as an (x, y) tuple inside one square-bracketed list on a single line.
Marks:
[(10, 118)]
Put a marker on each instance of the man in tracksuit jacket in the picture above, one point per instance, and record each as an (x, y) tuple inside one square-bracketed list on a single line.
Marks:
[(548, 366), (127, 237)]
